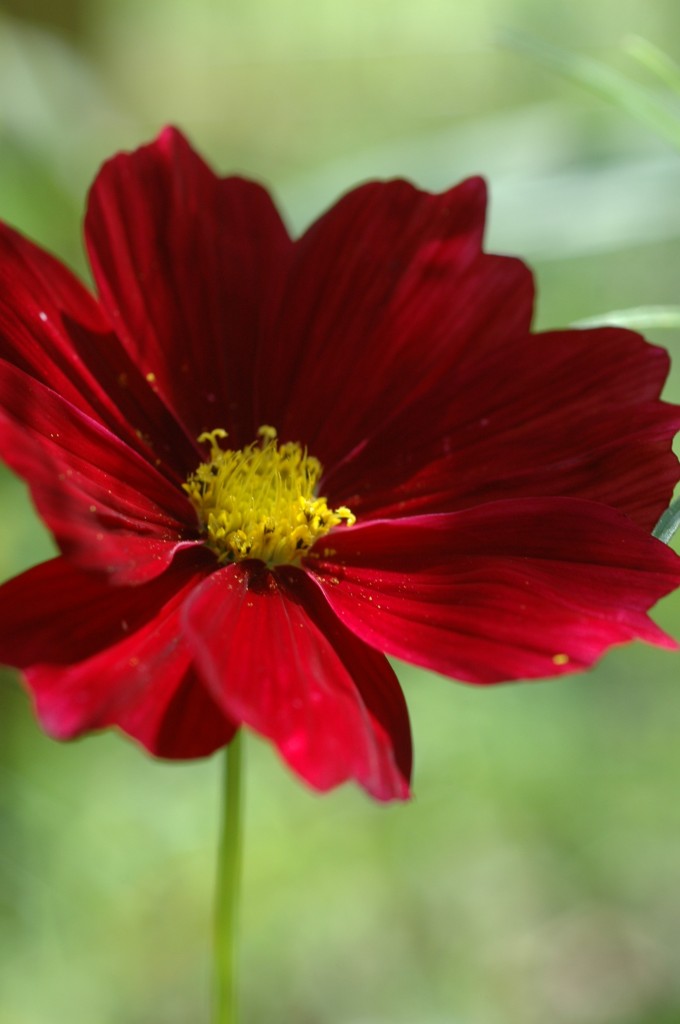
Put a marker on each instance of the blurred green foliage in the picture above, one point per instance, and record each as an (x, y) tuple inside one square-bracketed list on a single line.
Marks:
[(536, 875)]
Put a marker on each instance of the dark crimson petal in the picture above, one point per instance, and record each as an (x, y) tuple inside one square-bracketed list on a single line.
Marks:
[(101, 499), (52, 328), (96, 655), (186, 265), (384, 289), (566, 413), (277, 659), (59, 613), (511, 589)]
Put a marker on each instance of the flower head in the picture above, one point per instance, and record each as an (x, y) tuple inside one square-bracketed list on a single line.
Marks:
[(269, 463)]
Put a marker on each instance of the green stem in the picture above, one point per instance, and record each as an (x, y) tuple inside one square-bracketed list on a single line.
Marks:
[(227, 888)]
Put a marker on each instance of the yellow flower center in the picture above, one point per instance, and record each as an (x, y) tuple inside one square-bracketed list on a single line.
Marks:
[(260, 501)]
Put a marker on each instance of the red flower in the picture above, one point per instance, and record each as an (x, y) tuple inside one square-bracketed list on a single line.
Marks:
[(391, 463)]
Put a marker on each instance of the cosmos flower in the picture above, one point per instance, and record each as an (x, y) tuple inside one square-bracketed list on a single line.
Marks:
[(267, 464)]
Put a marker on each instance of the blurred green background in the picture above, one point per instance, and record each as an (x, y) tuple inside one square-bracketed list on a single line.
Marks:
[(536, 875)]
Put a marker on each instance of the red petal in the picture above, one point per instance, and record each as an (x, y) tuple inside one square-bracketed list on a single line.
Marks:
[(52, 328), (508, 590), (100, 498), (277, 659), (570, 413), (383, 287), (59, 613), (186, 265), (97, 655)]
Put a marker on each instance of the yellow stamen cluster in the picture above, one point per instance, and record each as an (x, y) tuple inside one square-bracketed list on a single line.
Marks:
[(260, 501)]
